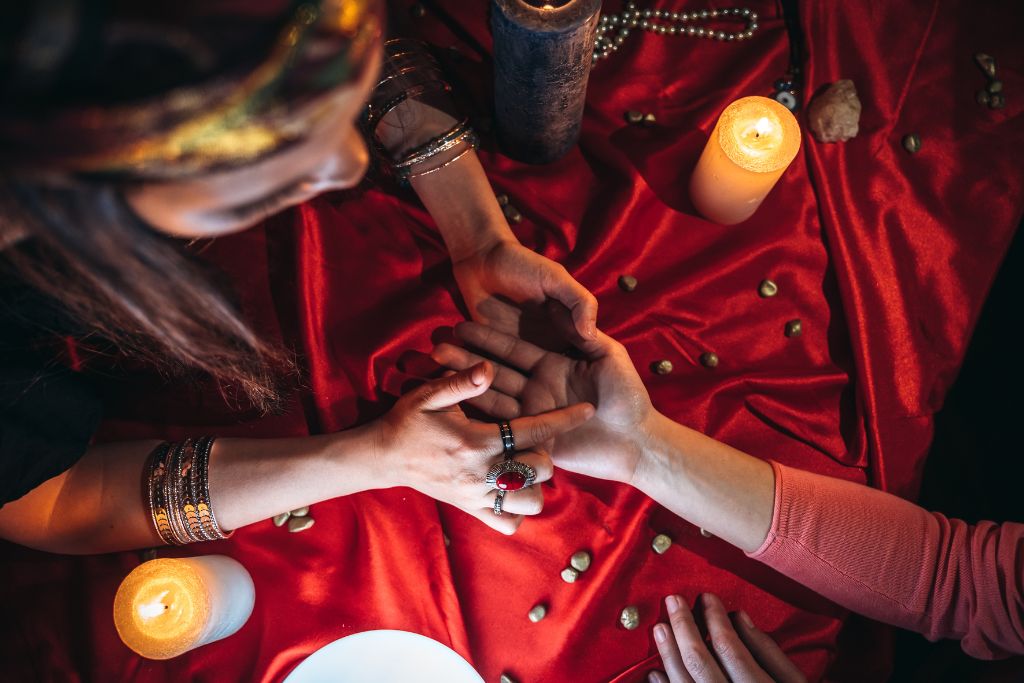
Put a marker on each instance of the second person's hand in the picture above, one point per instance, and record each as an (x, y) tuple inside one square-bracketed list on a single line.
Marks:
[(531, 380), (427, 443)]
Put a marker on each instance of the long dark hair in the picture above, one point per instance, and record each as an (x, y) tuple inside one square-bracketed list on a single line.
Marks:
[(77, 240), (136, 289)]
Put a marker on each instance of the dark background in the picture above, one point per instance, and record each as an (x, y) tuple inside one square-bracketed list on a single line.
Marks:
[(975, 467)]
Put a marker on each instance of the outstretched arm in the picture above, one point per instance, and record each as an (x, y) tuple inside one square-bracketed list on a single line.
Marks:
[(865, 549)]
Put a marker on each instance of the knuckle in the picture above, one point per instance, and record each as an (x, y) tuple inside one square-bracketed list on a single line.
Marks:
[(695, 662), (542, 431), (723, 648)]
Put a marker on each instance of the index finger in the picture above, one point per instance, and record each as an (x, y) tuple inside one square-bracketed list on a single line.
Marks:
[(539, 429)]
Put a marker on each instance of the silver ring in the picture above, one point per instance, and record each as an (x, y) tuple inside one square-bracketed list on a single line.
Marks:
[(499, 498), (511, 475), (508, 441)]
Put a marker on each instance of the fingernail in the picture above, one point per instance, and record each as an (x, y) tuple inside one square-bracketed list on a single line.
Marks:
[(661, 633), (747, 621), (651, 678), (479, 374), (707, 599), (672, 603)]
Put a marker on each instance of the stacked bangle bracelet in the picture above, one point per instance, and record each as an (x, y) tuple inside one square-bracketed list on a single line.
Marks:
[(410, 73), (176, 488)]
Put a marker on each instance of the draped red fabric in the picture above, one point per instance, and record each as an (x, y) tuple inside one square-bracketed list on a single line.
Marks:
[(886, 257)]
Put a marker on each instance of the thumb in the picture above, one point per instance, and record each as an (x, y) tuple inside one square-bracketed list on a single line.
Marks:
[(451, 390)]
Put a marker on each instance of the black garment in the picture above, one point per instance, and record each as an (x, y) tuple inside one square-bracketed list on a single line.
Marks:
[(48, 413)]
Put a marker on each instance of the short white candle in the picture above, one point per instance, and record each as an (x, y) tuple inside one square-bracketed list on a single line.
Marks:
[(753, 142), (166, 607)]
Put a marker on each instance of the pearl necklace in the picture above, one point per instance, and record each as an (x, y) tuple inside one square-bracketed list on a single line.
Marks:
[(664, 22)]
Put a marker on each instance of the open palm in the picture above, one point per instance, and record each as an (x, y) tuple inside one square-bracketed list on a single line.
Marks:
[(531, 380)]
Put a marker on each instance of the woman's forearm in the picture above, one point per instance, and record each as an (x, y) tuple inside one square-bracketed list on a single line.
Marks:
[(97, 505), (706, 482), (458, 197), (462, 203)]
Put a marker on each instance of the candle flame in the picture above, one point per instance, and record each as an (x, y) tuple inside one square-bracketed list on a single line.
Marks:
[(155, 607), (759, 134), (549, 7)]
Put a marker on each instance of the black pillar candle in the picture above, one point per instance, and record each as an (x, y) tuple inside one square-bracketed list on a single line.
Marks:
[(542, 56)]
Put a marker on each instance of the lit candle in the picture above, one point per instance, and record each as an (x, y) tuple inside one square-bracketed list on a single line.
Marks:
[(753, 142), (167, 606)]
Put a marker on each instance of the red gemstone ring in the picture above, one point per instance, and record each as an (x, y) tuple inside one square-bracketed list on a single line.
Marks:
[(511, 475)]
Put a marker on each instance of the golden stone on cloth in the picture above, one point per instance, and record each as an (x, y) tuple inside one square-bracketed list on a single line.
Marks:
[(630, 618), (912, 143), (297, 524), (505, 678), (569, 575), (663, 367), (794, 328), (627, 283), (709, 359), (537, 613), (301, 512), (705, 533), (281, 519), (767, 289), (661, 543), (580, 560)]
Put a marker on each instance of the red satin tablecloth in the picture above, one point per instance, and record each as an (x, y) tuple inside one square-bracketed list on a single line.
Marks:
[(886, 257)]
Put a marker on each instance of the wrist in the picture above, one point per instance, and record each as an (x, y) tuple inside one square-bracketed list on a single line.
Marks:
[(361, 455), (657, 459)]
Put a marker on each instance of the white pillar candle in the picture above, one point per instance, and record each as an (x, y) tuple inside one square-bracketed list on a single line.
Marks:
[(753, 142), (166, 607)]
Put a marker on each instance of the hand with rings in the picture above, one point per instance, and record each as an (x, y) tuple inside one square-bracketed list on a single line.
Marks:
[(427, 443)]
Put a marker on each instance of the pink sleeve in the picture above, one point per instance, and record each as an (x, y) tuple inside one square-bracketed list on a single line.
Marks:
[(893, 561)]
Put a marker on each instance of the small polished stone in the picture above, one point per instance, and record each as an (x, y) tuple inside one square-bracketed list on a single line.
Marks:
[(630, 618), (279, 520), (417, 10), (537, 613), (912, 143), (505, 678), (661, 544), (982, 96), (301, 512), (794, 328), (995, 86), (297, 524), (513, 215), (767, 289), (663, 367), (569, 575), (709, 359), (705, 533), (987, 64), (447, 541), (634, 117), (997, 101), (580, 560), (502, 199), (627, 283), (650, 119)]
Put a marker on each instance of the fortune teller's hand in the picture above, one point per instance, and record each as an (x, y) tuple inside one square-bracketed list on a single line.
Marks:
[(530, 380), (738, 651), (427, 443), (500, 278)]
